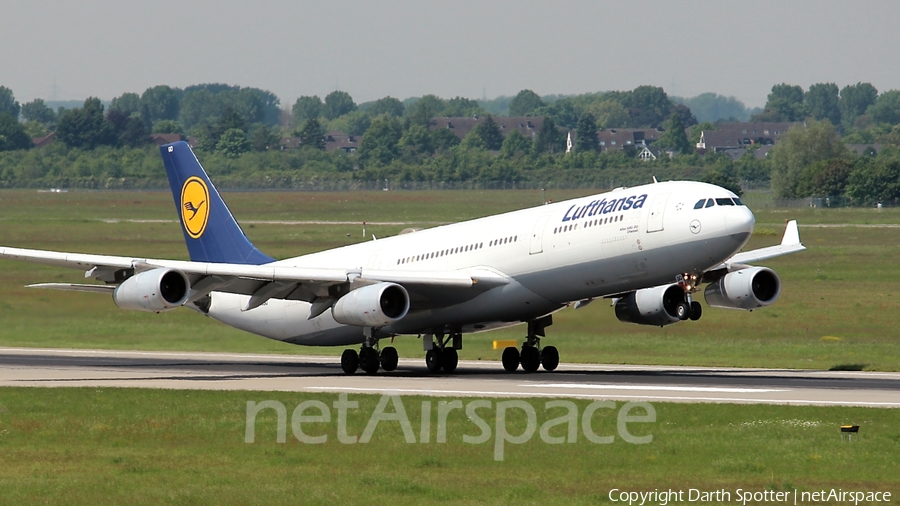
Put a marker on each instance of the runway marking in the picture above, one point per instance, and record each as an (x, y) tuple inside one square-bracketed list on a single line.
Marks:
[(599, 386), (661, 398)]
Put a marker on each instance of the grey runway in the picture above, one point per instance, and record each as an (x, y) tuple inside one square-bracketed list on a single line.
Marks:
[(258, 372)]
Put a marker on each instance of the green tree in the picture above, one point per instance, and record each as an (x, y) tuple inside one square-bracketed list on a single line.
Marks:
[(86, 127), (675, 136), (338, 103), (37, 110), (799, 147), (312, 135), (825, 178), (549, 139), (130, 129), (586, 134), (821, 100), (8, 102), (442, 139), (725, 178), (233, 143), (489, 133), (12, 134), (416, 142), (649, 106), (524, 103), (886, 108), (306, 107), (515, 144), (127, 103), (160, 102), (854, 101), (264, 137), (168, 126), (609, 114), (387, 105), (381, 143), (424, 109), (198, 105), (875, 181), (459, 106), (712, 107), (784, 103)]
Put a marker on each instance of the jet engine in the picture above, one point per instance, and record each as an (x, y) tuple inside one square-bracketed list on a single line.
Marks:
[(372, 306), (154, 291), (650, 306), (750, 288)]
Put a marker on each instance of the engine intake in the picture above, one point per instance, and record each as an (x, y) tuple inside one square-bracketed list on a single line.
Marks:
[(372, 306), (155, 290), (750, 288), (650, 306)]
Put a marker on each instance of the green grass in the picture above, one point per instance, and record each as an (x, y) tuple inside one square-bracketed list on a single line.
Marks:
[(136, 446), (837, 308)]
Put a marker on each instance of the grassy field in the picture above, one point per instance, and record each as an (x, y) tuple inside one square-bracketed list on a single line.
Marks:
[(837, 308), (131, 446)]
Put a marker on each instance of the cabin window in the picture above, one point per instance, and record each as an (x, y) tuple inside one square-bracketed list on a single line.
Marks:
[(699, 205), (724, 202), (737, 201), (710, 203)]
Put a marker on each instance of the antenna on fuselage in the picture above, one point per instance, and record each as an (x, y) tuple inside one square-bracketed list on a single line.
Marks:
[(654, 180)]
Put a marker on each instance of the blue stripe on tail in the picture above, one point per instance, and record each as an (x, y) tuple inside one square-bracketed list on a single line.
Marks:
[(210, 231)]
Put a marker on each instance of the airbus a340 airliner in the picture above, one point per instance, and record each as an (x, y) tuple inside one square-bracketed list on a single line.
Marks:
[(647, 248)]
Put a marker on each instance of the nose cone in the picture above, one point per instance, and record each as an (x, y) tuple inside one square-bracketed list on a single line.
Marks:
[(740, 221)]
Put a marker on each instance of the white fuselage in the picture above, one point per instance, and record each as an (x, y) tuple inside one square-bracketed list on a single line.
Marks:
[(596, 246)]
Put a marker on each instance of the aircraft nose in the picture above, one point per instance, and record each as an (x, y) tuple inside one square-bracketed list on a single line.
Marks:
[(740, 220)]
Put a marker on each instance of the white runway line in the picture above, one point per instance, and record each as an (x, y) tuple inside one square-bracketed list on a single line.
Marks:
[(598, 386)]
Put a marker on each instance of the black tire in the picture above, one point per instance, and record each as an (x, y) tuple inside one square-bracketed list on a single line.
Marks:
[(531, 358), (449, 360), (368, 360), (696, 310), (683, 311), (550, 358), (510, 359), (433, 360), (349, 361), (389, 358)]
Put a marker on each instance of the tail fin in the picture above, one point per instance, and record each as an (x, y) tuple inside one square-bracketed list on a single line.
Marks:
[(210, 231)]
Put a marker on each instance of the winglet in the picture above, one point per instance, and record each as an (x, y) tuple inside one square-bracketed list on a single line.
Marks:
[(210, 231), (791, 234)]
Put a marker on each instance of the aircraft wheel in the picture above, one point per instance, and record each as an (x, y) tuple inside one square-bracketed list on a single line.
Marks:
[(389, 358), (531, 358), (510, 359), (683, 311), (349, 361), (449, 359), (368, 360), (550, 358), (696, 310), (433, 360)]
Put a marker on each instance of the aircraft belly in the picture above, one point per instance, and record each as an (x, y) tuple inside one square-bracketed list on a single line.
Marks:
[(630, 271)]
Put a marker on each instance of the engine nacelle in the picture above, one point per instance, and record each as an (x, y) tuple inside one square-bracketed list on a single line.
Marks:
[(650, 306), (372, 306), (750, 288), (154, 290)]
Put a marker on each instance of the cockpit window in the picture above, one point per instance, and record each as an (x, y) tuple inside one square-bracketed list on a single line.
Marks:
[(699, 205), (724, 202), (710, 203), (737, 201)]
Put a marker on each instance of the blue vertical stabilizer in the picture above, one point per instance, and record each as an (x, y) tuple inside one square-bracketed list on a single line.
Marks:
[(210, 231)]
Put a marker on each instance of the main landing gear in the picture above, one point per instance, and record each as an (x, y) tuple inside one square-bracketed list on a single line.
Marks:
[(532, 356), (689, 308), (369, 358), (441, 351)]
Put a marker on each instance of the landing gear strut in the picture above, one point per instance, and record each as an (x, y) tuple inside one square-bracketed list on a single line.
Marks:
[(532, 356), (441, 350), (689, 309), (369, 358)]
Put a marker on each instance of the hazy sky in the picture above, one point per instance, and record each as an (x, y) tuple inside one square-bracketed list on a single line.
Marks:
[(408, 48)]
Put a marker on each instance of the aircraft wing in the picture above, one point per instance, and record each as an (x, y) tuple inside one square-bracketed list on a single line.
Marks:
[(790, 243), (427, 289)]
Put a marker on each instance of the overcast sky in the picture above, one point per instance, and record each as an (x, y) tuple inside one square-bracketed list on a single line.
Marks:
[(408, 48)]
